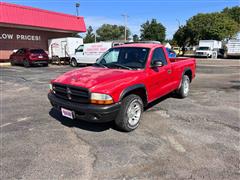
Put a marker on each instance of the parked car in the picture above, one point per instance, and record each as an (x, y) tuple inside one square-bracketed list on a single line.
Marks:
[(171, 53), (121, 83), (177, 50), (29, 57)]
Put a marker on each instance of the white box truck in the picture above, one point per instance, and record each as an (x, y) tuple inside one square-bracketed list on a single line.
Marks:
[(233, 48), (61, 48), (208, 48), (90, 52)]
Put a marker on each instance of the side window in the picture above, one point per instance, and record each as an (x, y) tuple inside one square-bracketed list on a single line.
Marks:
[(158, 55), (80, 48), (111, 56), (19, 52)]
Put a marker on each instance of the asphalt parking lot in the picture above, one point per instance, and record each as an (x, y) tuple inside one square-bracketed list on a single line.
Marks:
[(192, 138)]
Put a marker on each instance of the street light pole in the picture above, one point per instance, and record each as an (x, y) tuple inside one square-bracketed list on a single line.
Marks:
[(77, 8), (125, 25)]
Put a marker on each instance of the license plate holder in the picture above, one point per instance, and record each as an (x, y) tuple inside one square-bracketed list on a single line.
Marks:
[(67, 113)]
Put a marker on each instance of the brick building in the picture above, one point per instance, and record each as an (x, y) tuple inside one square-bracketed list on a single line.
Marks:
[(27, 27)]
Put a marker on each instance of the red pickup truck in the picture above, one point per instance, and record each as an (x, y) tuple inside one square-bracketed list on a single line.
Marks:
[(121, 83)]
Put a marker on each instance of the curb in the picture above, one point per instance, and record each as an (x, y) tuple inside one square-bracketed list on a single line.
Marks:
[(5, 64)]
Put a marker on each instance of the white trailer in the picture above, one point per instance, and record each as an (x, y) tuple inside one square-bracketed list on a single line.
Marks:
[(90, 52), (208, 48), (233, 48), (61, 48)]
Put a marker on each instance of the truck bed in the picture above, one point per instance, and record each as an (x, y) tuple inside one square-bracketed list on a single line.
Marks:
[(172, 60)]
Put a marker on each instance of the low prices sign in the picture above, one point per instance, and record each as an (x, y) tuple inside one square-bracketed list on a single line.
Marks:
[(20, 37)]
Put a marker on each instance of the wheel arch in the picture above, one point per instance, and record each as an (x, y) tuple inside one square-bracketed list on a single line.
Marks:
[(137, 89), (188, 72)]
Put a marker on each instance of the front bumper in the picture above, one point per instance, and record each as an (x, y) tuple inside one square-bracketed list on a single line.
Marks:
[(86, 112)]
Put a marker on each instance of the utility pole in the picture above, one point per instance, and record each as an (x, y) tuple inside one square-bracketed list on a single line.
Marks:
[(77, 8), (95, 37), (125, 16)]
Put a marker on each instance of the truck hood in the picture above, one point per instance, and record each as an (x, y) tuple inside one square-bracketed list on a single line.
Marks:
[(95, 78)]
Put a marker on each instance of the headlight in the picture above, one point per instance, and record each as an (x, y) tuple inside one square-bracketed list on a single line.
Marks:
[(97, 98), (50, 87)]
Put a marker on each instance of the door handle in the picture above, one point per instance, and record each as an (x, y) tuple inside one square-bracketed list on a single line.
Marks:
[(169, 71)]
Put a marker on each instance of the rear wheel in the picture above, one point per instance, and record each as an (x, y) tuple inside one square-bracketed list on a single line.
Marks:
[(130, 113), (12, 62), (26, 63), (74, 62), (183, 91)]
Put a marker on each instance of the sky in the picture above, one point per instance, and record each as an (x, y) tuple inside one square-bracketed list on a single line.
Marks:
[(171, 13)]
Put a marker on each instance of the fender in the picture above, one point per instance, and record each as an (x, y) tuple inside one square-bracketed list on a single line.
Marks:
[(185, 70), (131, 88)]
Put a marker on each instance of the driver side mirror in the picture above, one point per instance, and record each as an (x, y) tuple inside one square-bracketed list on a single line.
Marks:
[(157, 63)]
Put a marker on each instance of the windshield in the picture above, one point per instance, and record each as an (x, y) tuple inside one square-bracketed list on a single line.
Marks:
[(37, 51), (203, 48), (125, 57)]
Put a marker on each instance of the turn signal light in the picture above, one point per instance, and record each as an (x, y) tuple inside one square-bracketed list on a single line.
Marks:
[(101, 102)]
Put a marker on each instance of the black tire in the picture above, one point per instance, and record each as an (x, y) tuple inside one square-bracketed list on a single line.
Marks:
[(123, 120), (45, 65), (73, 62), (182, 92), (12, 62), (26, 63)]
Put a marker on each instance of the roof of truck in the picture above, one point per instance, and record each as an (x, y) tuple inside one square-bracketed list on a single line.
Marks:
[(142, 45)]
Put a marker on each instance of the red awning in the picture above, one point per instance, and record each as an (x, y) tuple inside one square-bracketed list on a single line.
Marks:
[(27, 16)]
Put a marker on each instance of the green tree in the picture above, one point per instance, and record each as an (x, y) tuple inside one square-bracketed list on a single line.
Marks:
[(153, 31), (109, 32), (183, 37), (90, 36), (217, 26), (135, 38), (233, 12)]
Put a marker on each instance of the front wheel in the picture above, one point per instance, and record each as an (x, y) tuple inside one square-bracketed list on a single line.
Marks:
[(26, 63), (130, 113), (183, 91), (74, 62)]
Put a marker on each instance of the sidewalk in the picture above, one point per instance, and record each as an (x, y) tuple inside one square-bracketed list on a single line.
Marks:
[(4, 64)]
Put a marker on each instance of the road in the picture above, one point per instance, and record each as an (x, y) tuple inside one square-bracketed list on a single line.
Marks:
[(192, 138)]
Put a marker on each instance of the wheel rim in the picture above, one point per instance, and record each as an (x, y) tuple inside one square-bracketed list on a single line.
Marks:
[(134, 113), (185, 87), (74, 63), (25, 63)]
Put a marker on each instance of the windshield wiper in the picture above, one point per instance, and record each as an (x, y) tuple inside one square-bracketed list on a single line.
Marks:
[(122, 66), (101, 65)]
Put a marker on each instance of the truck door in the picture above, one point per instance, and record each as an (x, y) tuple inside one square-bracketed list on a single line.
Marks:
[(159, 77), (64, 49), (79, 52)]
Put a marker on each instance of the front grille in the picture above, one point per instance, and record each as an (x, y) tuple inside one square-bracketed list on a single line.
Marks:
[(71, 93)]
